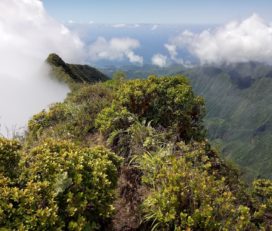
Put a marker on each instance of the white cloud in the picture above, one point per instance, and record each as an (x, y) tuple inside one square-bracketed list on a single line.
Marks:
[(173, 52), (115, 49), (133, 58), (172, 49), (237, 41), (159, 60), (71, 21), (27, 36), (121, 25), (24, 24)]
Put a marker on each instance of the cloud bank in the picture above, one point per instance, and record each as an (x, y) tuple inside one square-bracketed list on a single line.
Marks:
[(27, 36), (237, 41), (115, 49)]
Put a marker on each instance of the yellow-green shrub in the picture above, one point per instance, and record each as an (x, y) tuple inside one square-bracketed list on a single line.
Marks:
[(167, 101), (185, 194), (114, 118), (262, 194), (61, 187), (74, 118), (9, 157)]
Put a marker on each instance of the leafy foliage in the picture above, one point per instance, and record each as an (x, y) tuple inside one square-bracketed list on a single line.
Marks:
[(168, 102), (112, 118), (73, 119), (61, 187), (188, 194), (9, 157), (262, 192), (189, 186)]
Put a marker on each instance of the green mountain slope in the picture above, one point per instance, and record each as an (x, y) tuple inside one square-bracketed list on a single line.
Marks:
[(74, 72), (239, 113)]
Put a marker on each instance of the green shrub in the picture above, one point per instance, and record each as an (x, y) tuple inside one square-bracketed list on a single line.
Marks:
[(118, 78), (9, 157), (73, 119), (45, 119), (61, 187), (185, 195), (167, 102), (262, 193), (114, 118), (262, 188)]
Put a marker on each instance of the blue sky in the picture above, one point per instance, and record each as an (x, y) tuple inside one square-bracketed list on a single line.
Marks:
[(157, 11)]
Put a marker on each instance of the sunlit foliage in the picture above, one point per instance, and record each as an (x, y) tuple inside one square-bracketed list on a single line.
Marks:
[(187, 194), (61, 186)]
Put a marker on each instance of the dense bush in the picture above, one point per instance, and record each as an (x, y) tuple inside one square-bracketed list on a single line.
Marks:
[(113, 118), (9, 157), (262, 193), (61, 187), (167, 101), (187, 195), (74, 118), (166, 104)]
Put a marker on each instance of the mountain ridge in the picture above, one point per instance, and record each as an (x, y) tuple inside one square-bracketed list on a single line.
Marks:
[(74, 72)]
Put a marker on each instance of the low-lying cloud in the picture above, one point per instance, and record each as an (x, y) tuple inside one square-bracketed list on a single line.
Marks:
[(237, 41), (27, 36), (159, 60), (115, 49)]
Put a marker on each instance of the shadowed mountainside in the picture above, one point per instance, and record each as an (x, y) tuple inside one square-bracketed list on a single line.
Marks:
[(239, 113), (78, 73)]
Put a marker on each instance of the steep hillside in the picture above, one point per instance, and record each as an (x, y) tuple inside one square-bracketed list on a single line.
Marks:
[(75, 72), (238, 110)]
